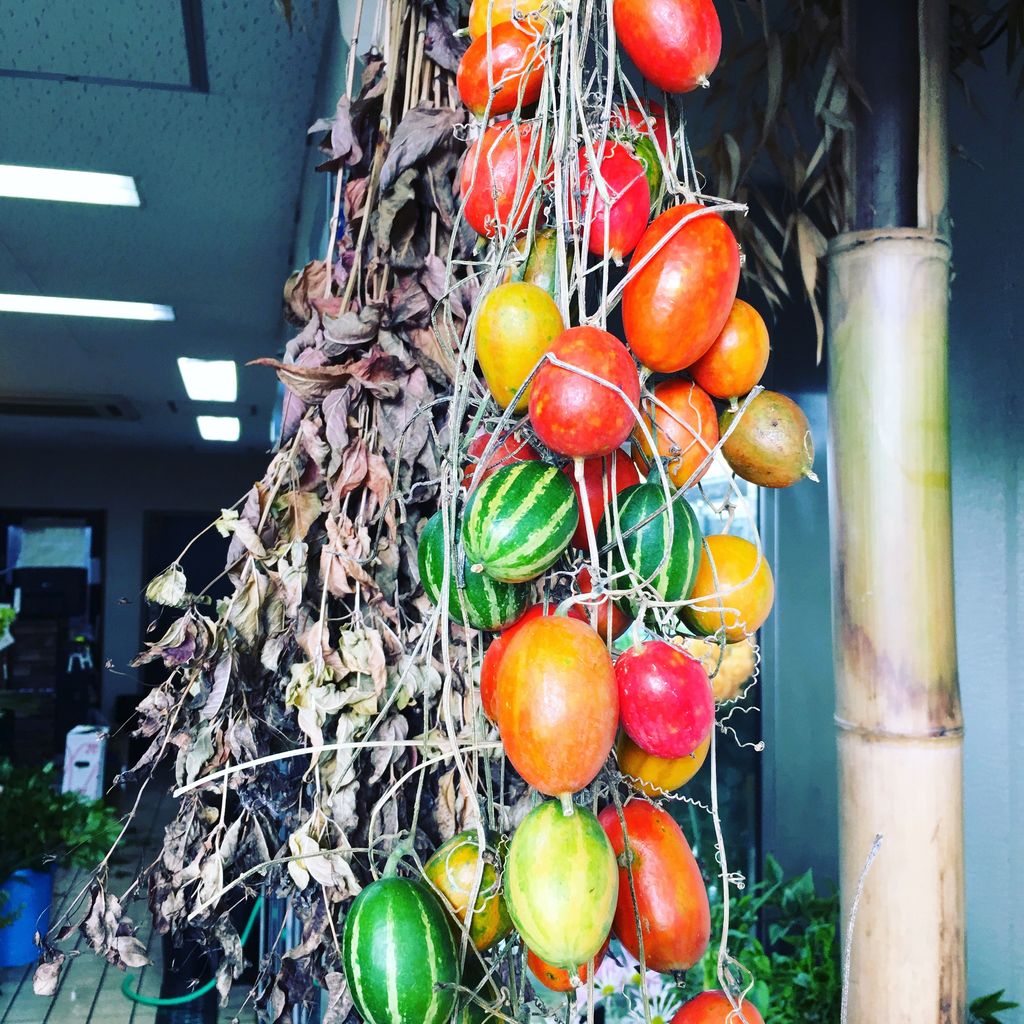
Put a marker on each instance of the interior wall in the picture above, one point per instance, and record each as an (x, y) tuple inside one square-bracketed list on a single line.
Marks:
[(125, 484), (987, 423), (800, 816), (316, 196)]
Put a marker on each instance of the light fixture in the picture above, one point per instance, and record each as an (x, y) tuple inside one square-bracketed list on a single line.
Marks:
[(58, 306), (219, 428), (209, 380), (17, 182)]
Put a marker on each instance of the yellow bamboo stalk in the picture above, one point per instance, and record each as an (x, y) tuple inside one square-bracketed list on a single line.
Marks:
[(897, 697)]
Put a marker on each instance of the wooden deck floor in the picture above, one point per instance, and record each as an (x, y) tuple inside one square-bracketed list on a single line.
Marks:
[(90, 989)]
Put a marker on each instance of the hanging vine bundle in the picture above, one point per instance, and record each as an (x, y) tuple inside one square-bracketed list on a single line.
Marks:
[(475, 553)]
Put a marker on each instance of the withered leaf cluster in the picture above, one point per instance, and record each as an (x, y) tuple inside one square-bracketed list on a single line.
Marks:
[(322, 642)]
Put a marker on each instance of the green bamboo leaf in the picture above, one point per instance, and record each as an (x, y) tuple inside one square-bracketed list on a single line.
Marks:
[(811, 247), (774, 67), (827, 79)]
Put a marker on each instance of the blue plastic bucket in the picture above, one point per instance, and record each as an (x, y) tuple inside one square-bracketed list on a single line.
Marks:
[(29, 895)]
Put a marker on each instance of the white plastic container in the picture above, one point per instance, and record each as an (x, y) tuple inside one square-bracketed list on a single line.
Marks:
[(84, 755)]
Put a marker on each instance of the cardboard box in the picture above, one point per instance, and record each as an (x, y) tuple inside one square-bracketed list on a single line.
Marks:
[(84, 756)]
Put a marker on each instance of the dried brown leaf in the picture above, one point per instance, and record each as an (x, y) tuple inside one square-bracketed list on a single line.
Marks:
[(349, 330), (341, 557), (352, 469), (244, 613), (301, 288), (303, 509), (342, 144), (219, 688), (47, 974), (422, 130)]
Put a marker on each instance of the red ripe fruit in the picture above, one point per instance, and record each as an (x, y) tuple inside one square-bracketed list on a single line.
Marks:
[(674, 308), (670, 894), (625, 220), (516, 58), (574, 415), (600, 475), (714, 1008), (612, 621), (497, 168), (509, 451), (675, 44), (666, 702), (491, 664), (649, 121)]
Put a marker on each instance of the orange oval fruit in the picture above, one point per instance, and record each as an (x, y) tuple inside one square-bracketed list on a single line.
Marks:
[(500, 11), (685, 427), (655, 776), (671, 898), (771, 445), (558, 704), (745, 592), (737, 358), (678, 300), (516, 325), (512, 60), (558, 979), (675, 44)]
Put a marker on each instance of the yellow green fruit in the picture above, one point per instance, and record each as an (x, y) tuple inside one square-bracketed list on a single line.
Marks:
[(452, 869), (518, 322)]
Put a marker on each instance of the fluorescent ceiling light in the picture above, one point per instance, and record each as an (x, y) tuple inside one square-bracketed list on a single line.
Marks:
[(219, 428), (209, 380), (57, 306), (18, 182)]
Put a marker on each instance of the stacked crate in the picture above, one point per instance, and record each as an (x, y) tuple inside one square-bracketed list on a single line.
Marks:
[(33, 664)]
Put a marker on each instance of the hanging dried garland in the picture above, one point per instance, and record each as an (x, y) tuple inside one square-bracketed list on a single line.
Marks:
[(473, 555)]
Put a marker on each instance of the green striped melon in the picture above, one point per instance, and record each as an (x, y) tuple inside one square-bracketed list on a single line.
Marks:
[(664, 554), (398, 947), (482, 603), (561, 884), (519, 520)]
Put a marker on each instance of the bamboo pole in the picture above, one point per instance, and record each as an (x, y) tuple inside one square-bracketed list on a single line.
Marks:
[(900, 730), (897, 708)]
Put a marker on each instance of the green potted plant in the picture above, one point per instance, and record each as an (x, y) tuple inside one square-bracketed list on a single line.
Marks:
[(41, 828)]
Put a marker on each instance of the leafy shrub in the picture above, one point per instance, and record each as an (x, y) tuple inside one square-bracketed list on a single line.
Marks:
[(41, 826)]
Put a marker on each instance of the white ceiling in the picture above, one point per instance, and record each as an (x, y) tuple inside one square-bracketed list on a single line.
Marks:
[(219, 173)]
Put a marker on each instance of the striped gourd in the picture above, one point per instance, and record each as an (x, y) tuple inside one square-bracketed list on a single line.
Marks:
[(561, 884), (398, 948), (482, 602), (519, 520), (664, 553), (452, 869)]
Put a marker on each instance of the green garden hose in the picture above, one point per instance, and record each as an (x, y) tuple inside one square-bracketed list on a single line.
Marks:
[(129, 992)]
